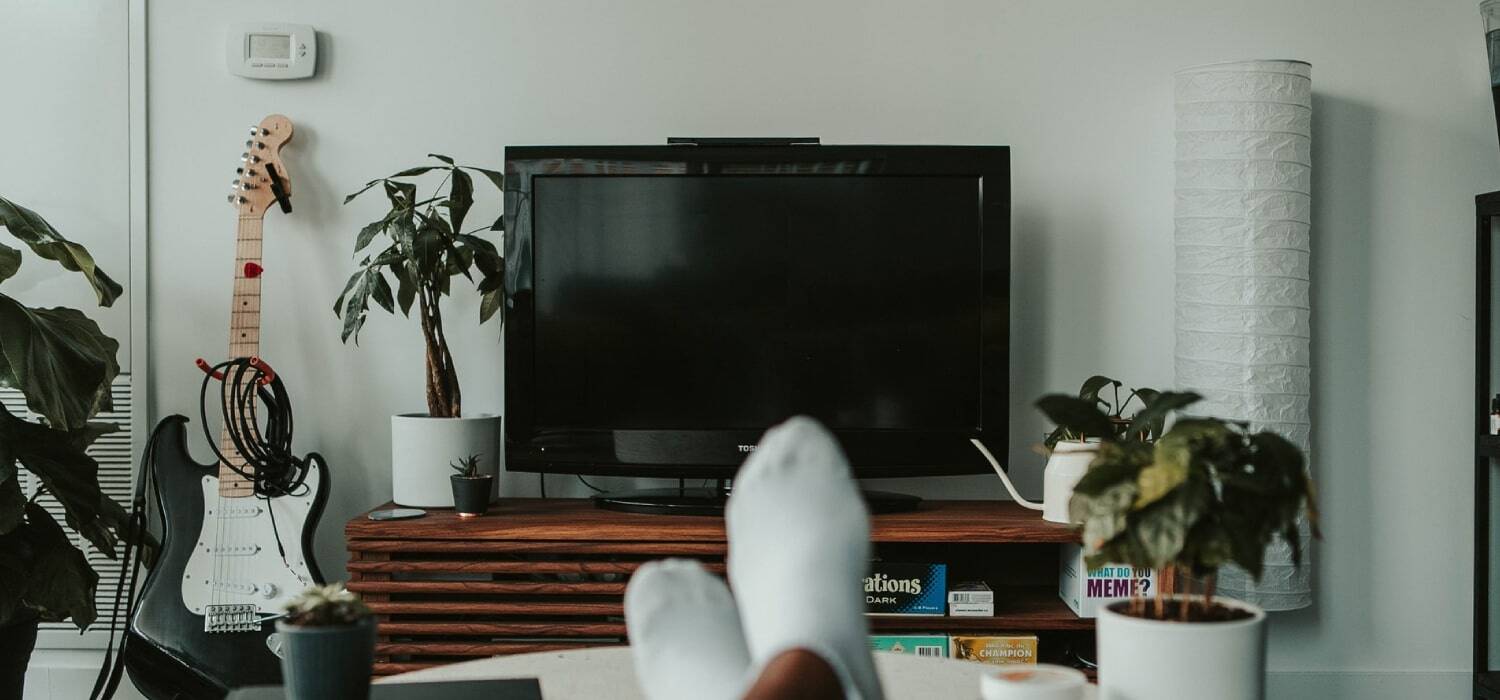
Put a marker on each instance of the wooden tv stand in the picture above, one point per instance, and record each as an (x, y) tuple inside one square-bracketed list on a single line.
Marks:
[(549, 574)]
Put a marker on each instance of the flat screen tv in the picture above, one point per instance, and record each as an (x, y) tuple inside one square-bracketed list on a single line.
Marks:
[(670, 303)]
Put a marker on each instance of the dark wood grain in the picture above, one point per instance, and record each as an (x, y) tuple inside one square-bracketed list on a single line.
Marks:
[(366, 588), (545, 575), (521, 607), (561, 519), (504, 629)]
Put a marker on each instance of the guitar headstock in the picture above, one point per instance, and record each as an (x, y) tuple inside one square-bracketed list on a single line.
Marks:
[(262, 179)]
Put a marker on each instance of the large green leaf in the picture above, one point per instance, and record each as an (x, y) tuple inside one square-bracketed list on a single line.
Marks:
[(59, 359), (60, 460), (460, 198), (10, 261), (12, 501), (1081, 416), (1153, 417), (1093, 385), (60, 584), (45, 241), (495, 179), (357, 303)]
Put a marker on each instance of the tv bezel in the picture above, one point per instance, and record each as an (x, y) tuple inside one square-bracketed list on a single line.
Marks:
[(717, 454)]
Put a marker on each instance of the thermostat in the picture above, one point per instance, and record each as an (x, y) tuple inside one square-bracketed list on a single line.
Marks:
[(272, 51)]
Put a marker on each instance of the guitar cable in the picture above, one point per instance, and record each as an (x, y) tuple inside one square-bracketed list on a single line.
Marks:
[(249, 389)]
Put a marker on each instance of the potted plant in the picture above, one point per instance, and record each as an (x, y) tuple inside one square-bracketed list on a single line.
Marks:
[(1206, 493), (1070, 450), (63, 365), (428, 247), (471, 489), (328, 638)]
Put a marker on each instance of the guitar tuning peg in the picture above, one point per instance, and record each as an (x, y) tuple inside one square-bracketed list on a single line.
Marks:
[(255, 131), (236, 199), (249, 158)]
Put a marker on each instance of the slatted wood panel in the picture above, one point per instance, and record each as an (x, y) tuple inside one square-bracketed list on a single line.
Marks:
[(544, 575)]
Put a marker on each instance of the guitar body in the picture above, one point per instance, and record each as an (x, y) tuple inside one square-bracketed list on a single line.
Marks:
[(168, 652)]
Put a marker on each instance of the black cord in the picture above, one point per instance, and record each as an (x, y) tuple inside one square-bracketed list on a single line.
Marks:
[(249, 388), (542, 480), (586, 483)]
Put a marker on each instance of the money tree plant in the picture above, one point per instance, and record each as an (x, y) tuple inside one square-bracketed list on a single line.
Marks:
[(428, 247), (63, 365), (1208, 492)]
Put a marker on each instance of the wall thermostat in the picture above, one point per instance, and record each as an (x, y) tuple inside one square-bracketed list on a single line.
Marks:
[(272, 51)]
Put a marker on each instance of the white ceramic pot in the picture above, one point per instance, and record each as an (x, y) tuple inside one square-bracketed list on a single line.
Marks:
[(1066, 465), (422, 448), (1158, 660)]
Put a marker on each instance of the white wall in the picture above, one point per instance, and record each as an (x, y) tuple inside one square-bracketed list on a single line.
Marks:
[(1404, 137)]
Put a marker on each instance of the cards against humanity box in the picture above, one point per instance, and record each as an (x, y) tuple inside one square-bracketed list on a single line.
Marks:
[(971, 599), (999, 649), (894, 588), (1087, 591), (931, 645)]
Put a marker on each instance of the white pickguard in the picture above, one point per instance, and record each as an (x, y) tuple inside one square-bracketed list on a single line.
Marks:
[(249, 569)]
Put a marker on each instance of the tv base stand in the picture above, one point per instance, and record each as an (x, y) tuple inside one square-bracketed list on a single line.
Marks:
[(711, 500)]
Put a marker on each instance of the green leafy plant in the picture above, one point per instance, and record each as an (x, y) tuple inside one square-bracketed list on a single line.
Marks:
[(1206, 493), (64, 365), (428, 248), (326, 606), (1078, 414), (467, 467)]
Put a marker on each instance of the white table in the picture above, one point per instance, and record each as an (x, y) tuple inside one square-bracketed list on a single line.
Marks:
[(607, 672)]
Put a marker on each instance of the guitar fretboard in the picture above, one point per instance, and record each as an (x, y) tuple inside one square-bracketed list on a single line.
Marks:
[(244, 340)]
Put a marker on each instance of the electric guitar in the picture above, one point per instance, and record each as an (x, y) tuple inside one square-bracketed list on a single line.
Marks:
[(230, 558)]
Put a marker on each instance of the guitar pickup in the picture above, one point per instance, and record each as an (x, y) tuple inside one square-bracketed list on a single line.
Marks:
[(231, 618)]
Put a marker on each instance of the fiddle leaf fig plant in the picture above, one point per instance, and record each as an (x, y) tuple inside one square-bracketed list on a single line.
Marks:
[(1206, 493), (427, 248), (63, 365)]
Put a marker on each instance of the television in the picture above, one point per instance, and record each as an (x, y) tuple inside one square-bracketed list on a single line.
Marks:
[(668, 304)]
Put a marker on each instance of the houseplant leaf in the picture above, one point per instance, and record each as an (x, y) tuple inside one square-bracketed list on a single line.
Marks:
[(59, 359), (460, 198), (12, 501), (60, 584), (1093, 385), (46, 242), (10, 261), (58, 458), (1081, 416), (1153, 417), (495, 179)]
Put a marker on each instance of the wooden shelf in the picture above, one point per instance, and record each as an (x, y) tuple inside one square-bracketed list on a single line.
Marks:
[(541, 522), (550, 574), (1017, 609)]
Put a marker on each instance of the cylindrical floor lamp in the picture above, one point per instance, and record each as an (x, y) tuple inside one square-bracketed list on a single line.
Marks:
[(1243, 213)]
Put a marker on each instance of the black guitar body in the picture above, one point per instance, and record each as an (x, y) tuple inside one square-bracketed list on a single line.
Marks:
[(167, 652)]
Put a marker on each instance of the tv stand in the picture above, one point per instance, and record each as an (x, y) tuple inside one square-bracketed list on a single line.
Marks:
[(711, 500)]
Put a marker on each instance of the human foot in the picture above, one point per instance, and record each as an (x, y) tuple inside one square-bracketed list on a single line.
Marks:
[(799, 548), (685, 633)]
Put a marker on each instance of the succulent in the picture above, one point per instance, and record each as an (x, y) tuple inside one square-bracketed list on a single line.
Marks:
[(467, 467), (326, 606)]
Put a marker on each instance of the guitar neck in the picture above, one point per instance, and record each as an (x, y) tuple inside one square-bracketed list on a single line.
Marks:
[(244, 339)]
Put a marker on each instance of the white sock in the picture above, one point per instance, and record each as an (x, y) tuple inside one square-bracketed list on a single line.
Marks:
[(799, 548), (685, 633)]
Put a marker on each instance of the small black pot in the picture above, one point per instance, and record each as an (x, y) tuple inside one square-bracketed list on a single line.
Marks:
[(328, 663), (16, 642), (471, 494)]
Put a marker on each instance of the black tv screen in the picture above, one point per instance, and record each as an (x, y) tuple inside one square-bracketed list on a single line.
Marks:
[(669, 310)]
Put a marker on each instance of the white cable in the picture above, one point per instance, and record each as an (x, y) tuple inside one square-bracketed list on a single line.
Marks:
[(1009, 487)]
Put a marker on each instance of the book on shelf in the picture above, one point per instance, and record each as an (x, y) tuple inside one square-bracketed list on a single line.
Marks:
[(901, 588)]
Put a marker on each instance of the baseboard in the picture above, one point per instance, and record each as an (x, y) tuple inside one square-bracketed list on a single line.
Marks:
[(1369, 685), (56, 674)]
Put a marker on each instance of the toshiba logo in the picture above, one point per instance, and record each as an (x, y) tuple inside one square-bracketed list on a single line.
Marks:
[(747, 448)]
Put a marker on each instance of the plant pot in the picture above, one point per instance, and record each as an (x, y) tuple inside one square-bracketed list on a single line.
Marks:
[(1162, 660), (1067, 464), (327, 663), (471, 494), (17, 640), (423, 447)]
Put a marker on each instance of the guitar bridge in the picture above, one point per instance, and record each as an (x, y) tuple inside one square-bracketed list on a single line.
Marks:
[(231, 618)]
